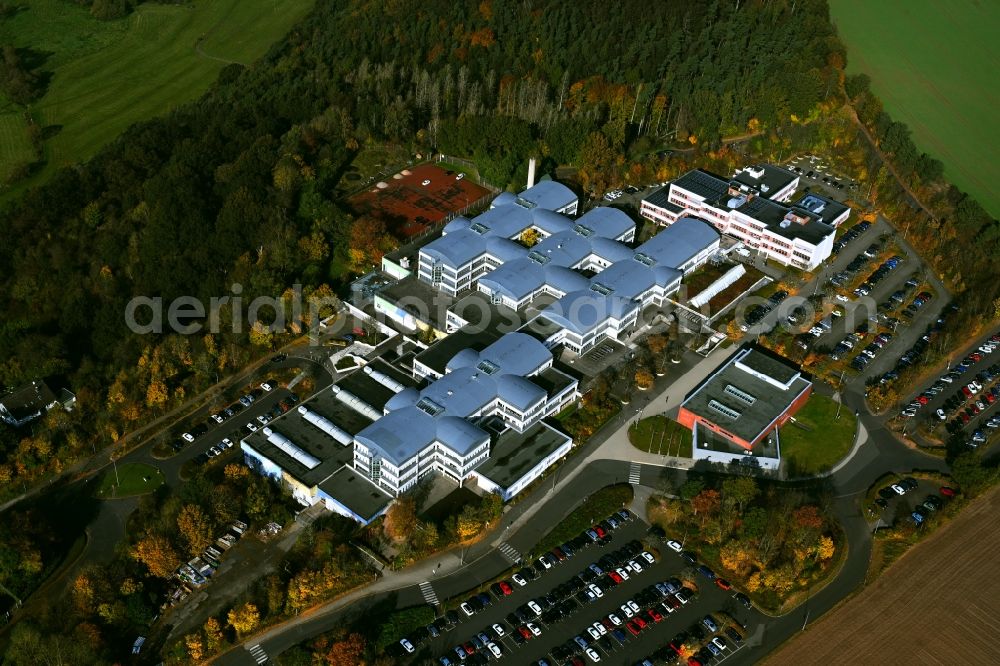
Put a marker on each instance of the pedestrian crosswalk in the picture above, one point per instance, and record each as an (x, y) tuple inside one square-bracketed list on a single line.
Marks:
[(427, 590), (509, 552), (257, 652), (635, 473)]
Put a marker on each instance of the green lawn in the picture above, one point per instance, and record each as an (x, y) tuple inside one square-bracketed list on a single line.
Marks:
[(827, 440), (930, 64), (660, 435), (596, 507), (15, 148), (135, 479), (110, 74)]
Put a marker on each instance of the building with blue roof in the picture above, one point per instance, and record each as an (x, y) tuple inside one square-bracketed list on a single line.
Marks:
[(442, 427)]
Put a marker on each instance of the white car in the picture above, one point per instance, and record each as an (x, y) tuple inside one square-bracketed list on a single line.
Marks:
[(252, 427), (217, 418), (621, 572), (267, 386), (842, 298), (628, 611), (533, 629), (495, 649), (675, 546), (601, 629), (535, 608), (499, 630), (634, 606), (426, 182), (972, 387), (188, 437), (544, 562), (467, 609), (720, 643), (519, 579), (460, 176), (596, 635), (635, 566), (592, 653), (941, 415), (615, 620), (263, 419), (947, 379), (648, 557), (596, 591), (407, 645), (226, 443), (898, 489)]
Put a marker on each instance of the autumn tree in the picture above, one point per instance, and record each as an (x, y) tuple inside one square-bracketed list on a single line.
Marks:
[(158, 554), (736, 557), (244, 619), (195, 647), (468, 524), (644, 378), (400, 519), (705, 503), (349, 651), (530, 237), (195, 528)]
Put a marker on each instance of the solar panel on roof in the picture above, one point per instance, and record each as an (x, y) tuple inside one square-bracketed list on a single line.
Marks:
[(722, 409), (740, 395)]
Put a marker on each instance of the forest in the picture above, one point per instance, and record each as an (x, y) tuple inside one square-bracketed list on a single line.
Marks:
[(236, 188)]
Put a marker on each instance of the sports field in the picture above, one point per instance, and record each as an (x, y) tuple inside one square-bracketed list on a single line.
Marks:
[(933, 65), (938, 604), (110, 74)]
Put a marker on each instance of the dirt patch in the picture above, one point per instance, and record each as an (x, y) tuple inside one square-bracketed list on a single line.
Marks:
[(935, 605)]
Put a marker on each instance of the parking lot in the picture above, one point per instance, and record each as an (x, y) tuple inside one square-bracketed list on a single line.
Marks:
[(817, 173), (963, 400), (572, 629), (911, 500), (208, 435)]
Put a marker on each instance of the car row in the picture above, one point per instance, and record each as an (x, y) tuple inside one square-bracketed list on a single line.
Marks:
[(850, 235), (878, 275), (222, 415)]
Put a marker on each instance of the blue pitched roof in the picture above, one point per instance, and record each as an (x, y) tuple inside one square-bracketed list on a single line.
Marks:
[(679, 242), (549, 194), (606, 221), (582, 311), (473, 381)]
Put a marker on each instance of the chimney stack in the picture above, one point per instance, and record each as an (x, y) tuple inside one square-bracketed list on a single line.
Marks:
[(531, 173)]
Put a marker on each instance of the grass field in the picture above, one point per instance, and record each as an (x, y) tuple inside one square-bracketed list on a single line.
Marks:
[(660, 435), (826, 442), (110, 74), (934, 65), (134, 478), (14, 145), (936, 605)]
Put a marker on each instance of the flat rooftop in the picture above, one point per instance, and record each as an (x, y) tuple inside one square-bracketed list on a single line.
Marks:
[(307, 437), (710, 441), (355, 492), (514, 454), (437, 355), (477, 309), (741, 402)]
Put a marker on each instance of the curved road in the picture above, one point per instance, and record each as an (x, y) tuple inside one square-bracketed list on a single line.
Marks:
[(527, 521)]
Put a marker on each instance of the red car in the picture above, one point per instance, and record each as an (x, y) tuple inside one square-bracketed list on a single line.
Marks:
[(946, 491), (505, 586), (639, 621), (693, 661), (723, 584), (525, 633), (615, 577), (469, 648), (977, 357), (967, 392), (923, 399), (989, 398), (599, 530), (654, 615), (633, 627)]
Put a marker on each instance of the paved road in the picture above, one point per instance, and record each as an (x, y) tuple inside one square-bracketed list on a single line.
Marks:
[(581, 476)]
